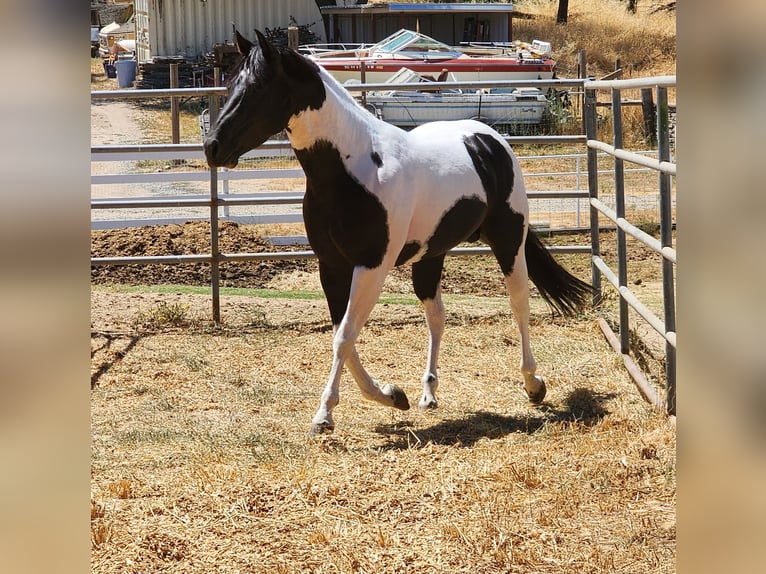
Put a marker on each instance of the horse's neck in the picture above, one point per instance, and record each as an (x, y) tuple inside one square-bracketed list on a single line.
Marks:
[(340, 121)]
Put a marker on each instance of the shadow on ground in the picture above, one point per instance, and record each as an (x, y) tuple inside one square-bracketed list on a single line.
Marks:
[(581, 406), (111, 350)]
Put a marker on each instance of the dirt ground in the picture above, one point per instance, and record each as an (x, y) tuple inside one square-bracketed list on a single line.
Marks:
[(476, 275), (201, 463)]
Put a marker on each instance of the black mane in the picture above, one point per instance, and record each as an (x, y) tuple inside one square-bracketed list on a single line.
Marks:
[(290, 58)]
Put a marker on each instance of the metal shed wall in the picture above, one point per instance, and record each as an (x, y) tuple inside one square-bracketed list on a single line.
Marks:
[(189, 28)]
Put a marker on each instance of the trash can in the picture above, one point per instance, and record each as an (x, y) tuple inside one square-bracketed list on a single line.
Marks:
[(126, 72)]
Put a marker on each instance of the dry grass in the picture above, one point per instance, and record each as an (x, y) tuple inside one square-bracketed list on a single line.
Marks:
[(645, 43), (201, 461)]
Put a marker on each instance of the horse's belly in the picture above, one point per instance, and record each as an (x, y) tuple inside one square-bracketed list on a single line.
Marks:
[(435, 232)]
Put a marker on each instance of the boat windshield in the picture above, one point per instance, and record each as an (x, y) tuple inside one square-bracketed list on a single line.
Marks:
[(413, 44)]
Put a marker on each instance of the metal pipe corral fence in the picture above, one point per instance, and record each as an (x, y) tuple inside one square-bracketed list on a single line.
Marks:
[(665, 168)]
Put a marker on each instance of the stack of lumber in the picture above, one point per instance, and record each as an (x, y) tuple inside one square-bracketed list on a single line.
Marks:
[(225, 56), (155, 73)]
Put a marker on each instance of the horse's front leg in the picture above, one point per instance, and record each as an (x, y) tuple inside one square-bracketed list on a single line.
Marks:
[(388, 395), (366, 285)]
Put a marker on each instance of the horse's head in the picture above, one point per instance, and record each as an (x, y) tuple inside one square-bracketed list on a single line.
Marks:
[(272, 85)]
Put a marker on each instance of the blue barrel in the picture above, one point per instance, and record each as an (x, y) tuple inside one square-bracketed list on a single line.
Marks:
[(126, 73)]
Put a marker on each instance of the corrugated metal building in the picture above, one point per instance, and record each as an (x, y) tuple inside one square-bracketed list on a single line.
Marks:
[(189, 28), (451, 22)]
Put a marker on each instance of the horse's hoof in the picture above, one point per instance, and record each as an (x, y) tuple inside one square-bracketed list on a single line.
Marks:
[(537, 396), (321, 428), (428, 404), (398, 396)]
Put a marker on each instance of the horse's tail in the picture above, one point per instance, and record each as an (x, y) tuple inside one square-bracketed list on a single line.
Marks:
[(560, 289)]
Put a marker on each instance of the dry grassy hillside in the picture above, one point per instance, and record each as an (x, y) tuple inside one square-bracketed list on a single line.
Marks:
[(645, 42)]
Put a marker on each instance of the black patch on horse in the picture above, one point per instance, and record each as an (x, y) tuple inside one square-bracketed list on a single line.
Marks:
[(493, 164), (307, 90), (408, 252), (344, 221), (458, 224), (503, 228), (376, 159), (426, 277)]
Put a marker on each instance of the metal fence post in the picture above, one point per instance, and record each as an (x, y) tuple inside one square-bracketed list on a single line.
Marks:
[(589, 115), (578, 186), (666, 239), (215, 276), (619, 203)]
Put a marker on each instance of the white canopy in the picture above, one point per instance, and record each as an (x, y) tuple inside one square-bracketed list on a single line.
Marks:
[(115, 28), (127, 45)]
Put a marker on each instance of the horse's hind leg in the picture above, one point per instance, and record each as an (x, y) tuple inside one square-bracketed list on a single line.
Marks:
[(517, 284), (506, 236), (426, 280)]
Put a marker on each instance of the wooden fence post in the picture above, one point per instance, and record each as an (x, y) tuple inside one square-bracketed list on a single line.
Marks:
[(174, 108), (175, 130), (650, 115), (582, 72), (293, 38)]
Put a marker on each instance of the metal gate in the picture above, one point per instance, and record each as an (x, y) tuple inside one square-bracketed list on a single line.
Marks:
[(666, 326)]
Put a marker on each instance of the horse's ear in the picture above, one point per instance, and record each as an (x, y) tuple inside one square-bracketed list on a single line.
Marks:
[(267, 49), (243, 44)]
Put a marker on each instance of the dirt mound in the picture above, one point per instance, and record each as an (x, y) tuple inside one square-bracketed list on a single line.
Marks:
[(186, 239)]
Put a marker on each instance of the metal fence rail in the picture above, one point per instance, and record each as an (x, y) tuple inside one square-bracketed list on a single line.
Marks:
[(665, 168), (577, 191)]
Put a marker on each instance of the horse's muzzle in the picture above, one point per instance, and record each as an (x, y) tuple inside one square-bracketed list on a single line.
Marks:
[(214, 156)]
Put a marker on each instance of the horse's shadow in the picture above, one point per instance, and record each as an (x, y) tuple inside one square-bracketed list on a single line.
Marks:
[(581, 406)]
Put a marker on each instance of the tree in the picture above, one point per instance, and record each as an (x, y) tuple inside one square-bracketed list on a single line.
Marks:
[(563, 11)]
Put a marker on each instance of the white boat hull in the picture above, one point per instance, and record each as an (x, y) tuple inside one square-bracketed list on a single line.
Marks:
[(409, 109)]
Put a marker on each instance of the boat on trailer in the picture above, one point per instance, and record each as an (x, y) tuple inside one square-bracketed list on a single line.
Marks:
[(470, 62), (408, 108)]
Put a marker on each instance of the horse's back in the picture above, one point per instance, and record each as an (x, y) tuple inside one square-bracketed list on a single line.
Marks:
[(453, 132)]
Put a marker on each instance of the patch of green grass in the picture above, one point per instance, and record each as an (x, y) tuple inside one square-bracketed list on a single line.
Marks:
[(205, 290), (385, 298)]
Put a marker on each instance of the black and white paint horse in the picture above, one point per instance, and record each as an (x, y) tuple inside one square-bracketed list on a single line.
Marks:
[(378, 196)]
